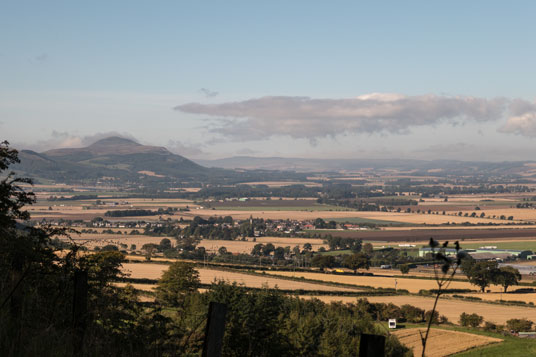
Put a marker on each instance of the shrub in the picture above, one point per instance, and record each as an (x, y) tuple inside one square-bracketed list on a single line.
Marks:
[(435, 319), (519, 325), (412, 313), (404, 268), (472, 320), (490, 326), (443, 319)]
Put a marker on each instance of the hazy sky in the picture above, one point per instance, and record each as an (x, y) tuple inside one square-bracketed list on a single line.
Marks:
[(400, 79)]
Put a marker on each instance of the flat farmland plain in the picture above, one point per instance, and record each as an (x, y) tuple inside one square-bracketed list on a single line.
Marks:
[(451, 308), (412, 285), (442, 342), (208, 276)]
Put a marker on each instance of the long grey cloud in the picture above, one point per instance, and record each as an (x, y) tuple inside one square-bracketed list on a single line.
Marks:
[(304, 117)]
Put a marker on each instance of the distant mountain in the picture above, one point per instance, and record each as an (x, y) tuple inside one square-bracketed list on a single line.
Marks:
[(429, 167), (123, 160), (115, 157)]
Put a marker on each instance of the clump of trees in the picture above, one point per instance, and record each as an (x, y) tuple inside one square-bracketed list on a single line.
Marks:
[(485, 273), (139, 212), (471, 320), (519, 325), (336, 243)]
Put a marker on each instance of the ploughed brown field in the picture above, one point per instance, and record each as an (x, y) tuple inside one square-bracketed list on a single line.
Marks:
[(415, 235), (442, 342)]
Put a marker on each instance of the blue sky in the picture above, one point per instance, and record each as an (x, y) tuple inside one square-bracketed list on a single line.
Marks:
[(75, 71)]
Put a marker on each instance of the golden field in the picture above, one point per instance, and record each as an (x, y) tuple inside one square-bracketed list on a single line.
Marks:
[(412, 285), (91, 240), (450, 308), (411, 218), (98, 240), (208, 276), (442, 342), (237, 246), (528, 297)]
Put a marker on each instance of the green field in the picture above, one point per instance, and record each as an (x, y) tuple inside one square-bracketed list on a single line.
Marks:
[(511, 346), (379, 222), (527, 245), (337, 252)]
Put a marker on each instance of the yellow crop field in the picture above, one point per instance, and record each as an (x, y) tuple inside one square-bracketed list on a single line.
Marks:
[(450, 308), (523, 214), (528, 297), (236, 246), (442, 342), (98, 240), (458, 227), (412, 285), (144, 287), (412, 218), (207, 276)]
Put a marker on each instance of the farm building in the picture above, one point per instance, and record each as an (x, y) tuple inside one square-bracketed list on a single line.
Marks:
[(447, 252), (482, 253)]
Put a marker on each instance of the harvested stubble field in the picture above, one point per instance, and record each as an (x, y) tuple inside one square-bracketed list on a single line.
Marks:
[(99, 240), (450, 308), (458, 227), (208, 276), (526, 297), (412, 285), (442, 342), (312, 213), (237, 246), (144, 287)]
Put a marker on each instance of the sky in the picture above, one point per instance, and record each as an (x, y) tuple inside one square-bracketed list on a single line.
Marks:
[(316, 79)]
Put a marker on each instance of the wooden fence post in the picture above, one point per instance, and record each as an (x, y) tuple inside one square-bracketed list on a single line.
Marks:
[(79, 309), (372, 346), (215, 329)]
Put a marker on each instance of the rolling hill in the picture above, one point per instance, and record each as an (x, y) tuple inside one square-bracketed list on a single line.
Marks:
[(115, 157)]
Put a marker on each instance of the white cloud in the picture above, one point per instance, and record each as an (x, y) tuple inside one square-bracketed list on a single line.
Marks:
[(522, 119), (303, 117), (59, 140), (188, 150)]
